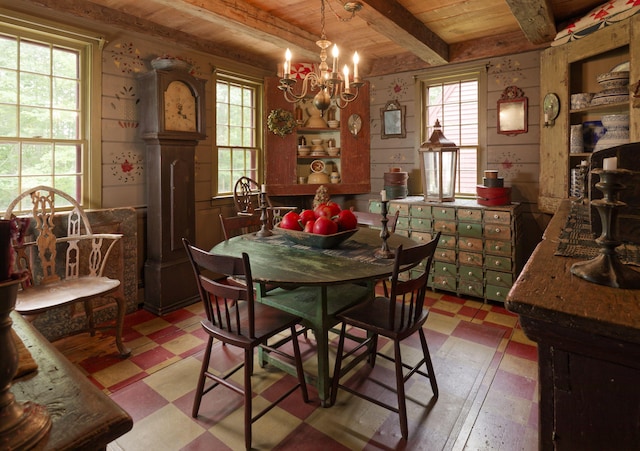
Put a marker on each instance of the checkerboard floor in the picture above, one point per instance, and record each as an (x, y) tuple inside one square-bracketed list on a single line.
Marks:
[(156, 386)]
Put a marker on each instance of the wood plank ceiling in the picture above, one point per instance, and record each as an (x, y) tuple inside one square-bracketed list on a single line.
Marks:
[(390, 35)]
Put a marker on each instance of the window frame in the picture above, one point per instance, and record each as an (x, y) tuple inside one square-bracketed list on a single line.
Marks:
[(89, 47), (457, 74), (258, 86)]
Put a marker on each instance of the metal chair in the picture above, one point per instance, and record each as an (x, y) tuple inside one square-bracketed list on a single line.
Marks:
[(246, 196), (234, 318), (396, 317)]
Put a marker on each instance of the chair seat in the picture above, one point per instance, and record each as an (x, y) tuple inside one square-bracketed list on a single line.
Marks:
[(374, 317), (40, 298), (268, 322)]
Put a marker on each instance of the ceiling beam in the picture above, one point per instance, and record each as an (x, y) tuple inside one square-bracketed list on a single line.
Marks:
[(240, 16), (535, 18), (395, 22)]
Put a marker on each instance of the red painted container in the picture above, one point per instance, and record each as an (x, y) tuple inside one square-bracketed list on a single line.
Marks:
[(493, 197)]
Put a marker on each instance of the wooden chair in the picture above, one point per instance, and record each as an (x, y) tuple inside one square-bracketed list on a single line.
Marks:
[(234, 318), (63, 269), (239, 225), (396, 317), (374, 219), (246, 196)]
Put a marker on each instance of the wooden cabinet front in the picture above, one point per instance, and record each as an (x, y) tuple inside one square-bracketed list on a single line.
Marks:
[(282, 161)]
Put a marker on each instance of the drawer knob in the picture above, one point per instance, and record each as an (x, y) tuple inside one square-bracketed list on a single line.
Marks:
[(469, 227), (443, 211), (496, 216), (469, 288), (498, 278), (469, 259), (444, 227), (444, 269), (470, 273), (498, 247), (499, 293), (444, 254), (497, 263), (419, 208), (470, 244), (497, 229), (444, 282)]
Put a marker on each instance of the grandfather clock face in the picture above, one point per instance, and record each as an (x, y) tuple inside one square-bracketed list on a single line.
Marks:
[(179, 108)]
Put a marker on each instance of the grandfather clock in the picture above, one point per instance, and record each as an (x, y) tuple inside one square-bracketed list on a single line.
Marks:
[(172, 107)]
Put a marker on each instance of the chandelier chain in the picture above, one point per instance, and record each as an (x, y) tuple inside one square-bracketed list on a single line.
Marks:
[(338, 16)]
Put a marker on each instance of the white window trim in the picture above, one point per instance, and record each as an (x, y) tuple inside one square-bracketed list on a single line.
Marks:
[(452, 73)]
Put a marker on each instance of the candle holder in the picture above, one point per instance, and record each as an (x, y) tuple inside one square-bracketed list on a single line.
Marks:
[(25, 424), (606, 268), (264, 217), (384, 251)]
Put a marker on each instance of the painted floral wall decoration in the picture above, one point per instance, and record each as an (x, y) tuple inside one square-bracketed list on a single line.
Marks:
[(506, 72), (125, 106), (397, 89), (127, 167), (126, 57)]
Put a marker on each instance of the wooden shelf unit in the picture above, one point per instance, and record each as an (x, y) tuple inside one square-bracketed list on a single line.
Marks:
[(282, 163), (570, 69)]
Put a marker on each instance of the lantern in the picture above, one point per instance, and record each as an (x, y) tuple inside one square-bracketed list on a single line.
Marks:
[(438, 163)]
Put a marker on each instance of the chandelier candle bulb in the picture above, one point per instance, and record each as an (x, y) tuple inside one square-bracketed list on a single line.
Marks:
[(346, 78), (356, 60), (335, 54), (287, 63), (610, 164)]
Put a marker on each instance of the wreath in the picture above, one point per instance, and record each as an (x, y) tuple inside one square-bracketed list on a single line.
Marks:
[(281, 122)]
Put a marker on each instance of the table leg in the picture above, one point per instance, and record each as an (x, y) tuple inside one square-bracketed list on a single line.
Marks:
[(321, 331)]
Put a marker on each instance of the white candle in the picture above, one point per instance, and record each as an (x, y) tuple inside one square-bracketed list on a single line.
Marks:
[(335, 54), (583, 163), (383, 195), (610, 164), (345, 71), (356, 60), (287, 63), (263, 188), (546, 118)]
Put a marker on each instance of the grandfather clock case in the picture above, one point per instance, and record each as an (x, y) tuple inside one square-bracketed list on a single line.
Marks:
[(172, 107)]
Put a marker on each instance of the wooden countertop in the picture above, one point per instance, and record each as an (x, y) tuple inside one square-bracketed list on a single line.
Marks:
[(547, 290), (83, 417)]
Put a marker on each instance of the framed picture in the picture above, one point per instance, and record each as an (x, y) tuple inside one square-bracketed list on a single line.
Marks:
[(393, 120), (512, 112)]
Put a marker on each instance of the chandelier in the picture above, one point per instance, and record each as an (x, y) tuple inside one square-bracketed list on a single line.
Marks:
[(332, 87)]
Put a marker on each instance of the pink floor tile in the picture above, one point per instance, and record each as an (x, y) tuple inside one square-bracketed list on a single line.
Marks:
[(152, 357), (525, 351), (139, 400)]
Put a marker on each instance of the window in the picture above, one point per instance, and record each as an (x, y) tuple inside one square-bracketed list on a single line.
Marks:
[(454, 100), (237, 127), (44, 138)]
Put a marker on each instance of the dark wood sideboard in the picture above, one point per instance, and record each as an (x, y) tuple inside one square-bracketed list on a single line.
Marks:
[(82, 416), (588, 338)]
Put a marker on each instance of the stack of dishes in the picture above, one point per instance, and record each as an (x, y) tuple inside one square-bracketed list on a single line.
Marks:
[(333, 151), (333, 124), (615, 87), (304, 151)]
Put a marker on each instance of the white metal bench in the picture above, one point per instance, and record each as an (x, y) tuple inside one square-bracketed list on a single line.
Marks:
[(44, 250)]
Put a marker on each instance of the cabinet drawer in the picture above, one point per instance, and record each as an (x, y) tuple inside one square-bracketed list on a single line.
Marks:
[(469, 258), (499, 263), (402, 223), (420, 224), (444, 269), (444, 226), (444, 213), (500, 279), (470, 244), (420, 211), (471, 273), (445, 255), (497, 217), (398, 206), (443, 282), (470, 229), (447, 241), (470, 288), (496, 293), (497, 232), (421, 237), (497, 247), (402, 232), (469, 215), (375, 206)]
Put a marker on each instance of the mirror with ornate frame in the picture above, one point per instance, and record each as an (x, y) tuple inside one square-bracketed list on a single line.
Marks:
[(512, 112), (393, 120)]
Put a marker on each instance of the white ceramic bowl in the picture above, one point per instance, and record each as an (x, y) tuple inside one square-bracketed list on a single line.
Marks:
[(333, 124), (317, 142), (333, 151)]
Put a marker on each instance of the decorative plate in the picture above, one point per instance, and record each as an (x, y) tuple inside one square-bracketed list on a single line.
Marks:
[(317, 166)]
